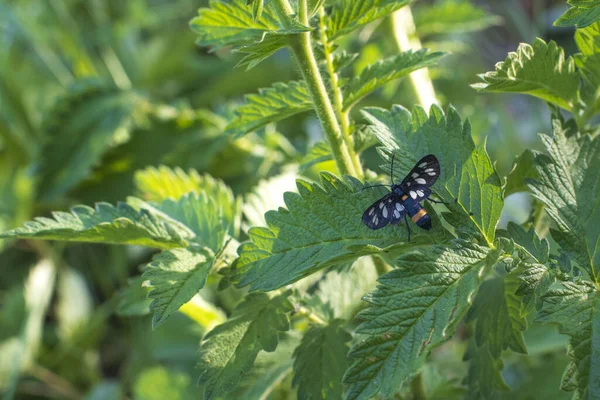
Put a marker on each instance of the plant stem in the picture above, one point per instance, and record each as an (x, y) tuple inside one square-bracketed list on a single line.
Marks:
[(57, 383), (417, 388), (301, 47), (403, 29), (343, 116), (311, 316)]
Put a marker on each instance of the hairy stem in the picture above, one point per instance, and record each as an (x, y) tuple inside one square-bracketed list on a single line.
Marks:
[(417, 388), (343, 116), (403, 30), (311, 316), (301, 46)]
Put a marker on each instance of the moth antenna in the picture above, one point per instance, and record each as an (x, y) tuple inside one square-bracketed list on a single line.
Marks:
[(372, 186), (392, 170)]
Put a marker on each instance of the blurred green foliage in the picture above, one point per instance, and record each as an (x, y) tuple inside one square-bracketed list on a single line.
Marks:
[(104, 100)]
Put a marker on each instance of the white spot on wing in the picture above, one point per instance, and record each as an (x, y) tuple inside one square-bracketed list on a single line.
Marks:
[(381, 205), (385, 213), (421, 181), (429, 170), (420, 193), (371, 211), (414, 174), (423, 165), (431, 173), (413, 195), (396, 214), (399, 207)]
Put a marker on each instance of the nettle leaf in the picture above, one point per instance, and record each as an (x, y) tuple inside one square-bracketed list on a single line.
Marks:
[(575, 308), (105, 224), (229, 350), (540, 70), (414, 309), (198, 212), (273, 104), (268, 195), (232, 24), (268, 371), (581, 14), (343, 290), (349, 15), (376, 75), (588, 39), (320, 361), (467, 182), (162, 183), (315, 231), (497, 315), (485, 373), (174, 277), (133, 300), (451, 17), (535, 279), (318, 153), (528, 240), (256, 53), (569, 186), (523, 169), (588, 62), (79, 129)]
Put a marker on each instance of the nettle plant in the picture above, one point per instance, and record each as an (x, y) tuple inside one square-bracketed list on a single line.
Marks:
[(307, 265)]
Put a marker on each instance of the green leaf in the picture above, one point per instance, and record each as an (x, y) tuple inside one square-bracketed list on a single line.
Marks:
[(157, 383), (174, 277), (158, 185), (569, 186), (467, 182), (314, 232), (588, 39), (414, 309), (497, 312), (349, 15), (522, 170), (257, 8), (256, 53), (453, 17), (540, 70), (343, 290), (268, 195), (268, 371), (376, 75), (581, 14), (536, 280), (528, 240), (133, 300), (13, 313), (229, 350), (270, 105), (232, 24), (197, 213), (575, 308), (484, 376), (79, 128), (317, 154), (320, 361), (105, 224)]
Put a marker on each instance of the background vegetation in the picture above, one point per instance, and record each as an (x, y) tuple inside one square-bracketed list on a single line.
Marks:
[(113, 102)]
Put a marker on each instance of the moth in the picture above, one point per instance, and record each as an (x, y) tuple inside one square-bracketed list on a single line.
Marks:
[(406, 197)]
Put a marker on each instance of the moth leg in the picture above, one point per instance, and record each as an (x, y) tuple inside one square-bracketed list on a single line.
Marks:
[(438, 201), (407, 227)]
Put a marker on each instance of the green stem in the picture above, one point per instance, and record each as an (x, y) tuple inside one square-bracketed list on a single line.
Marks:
[(417, 388), (301, 47), (311, 316), (403, 30), (343, 116)]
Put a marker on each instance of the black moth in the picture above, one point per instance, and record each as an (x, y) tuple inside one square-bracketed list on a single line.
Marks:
[(405, 198)]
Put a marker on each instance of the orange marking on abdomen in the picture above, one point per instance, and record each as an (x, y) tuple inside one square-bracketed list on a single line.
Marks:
[(404, 197), (419, 215)]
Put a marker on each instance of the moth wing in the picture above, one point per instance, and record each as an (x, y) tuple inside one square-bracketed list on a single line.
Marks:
[(424, 173), (378, 215), (396, 210), (418, 192)]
